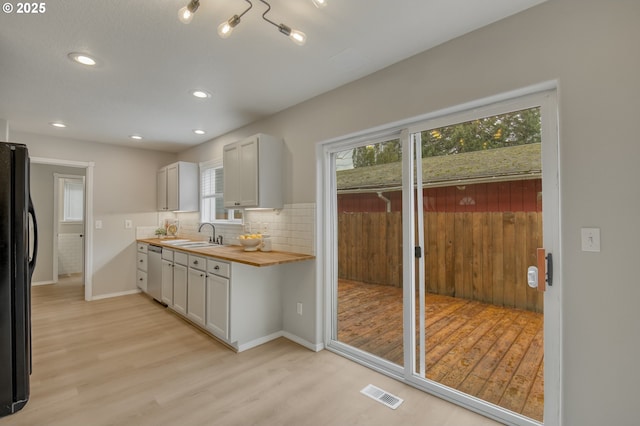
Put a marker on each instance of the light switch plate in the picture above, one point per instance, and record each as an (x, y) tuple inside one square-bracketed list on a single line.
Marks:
[(98, 224), (128, 224), (590, 239)]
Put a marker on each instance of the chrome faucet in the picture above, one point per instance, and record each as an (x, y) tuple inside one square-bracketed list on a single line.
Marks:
[(212, 238)]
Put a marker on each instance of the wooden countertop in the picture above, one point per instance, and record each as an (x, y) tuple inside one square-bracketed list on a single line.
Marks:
[(235, 253)]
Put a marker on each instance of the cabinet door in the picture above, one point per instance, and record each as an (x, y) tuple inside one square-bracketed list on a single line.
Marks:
[(141, 282), (161, 186), (231, 175), (142, 261), (196, 302), (167, 282), (180, 288), (218, 306), (249, 173), (173, 186)]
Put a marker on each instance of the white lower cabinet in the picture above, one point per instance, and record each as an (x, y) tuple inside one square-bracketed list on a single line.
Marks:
[(141, 267), (196, 301), (167, 277), (218, 291), (167, 282), (237, 303), (180, 288)]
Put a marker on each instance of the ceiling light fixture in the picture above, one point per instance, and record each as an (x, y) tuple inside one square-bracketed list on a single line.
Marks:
[(82, 58), (319, 3), (199, 132), (297, 36), (136, 137), (202, 94), (186, 13), (226, 27), (58, 124)]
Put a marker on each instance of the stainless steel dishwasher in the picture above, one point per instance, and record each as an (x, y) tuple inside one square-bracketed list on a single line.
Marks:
[(154, 277)]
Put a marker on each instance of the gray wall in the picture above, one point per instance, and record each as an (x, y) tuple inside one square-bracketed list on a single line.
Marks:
[(42, 193), (590, 47), (124, 188)]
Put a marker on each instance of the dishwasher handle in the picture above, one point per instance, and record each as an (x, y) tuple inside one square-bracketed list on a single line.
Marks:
[(155, 249)]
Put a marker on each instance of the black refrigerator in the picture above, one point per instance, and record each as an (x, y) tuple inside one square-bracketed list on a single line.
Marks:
[(18, 248)]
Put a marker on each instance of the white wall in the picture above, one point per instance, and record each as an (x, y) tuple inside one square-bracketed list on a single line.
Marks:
[(590, 47), (124, 188)]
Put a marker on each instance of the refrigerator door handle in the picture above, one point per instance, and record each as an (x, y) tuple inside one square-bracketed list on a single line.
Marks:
[(32, 262)]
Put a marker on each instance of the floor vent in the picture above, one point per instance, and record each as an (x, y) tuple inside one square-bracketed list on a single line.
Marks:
[(381, 396)]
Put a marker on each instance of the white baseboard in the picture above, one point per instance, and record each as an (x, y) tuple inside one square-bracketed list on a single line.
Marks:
[(258, 342), (302, 342), (110, 295), (42, 283)]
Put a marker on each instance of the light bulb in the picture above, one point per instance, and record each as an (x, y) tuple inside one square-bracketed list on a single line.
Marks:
[(185, 15), (298, 37), (319, 3), (226, 28)]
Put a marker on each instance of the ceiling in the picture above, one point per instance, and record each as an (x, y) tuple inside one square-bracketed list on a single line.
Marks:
[(148, 61)]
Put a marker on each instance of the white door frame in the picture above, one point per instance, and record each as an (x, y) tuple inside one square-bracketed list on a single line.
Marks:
[(88, 243), (545, 96)]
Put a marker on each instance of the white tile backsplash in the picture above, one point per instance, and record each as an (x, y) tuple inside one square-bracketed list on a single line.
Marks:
[(291, 229)]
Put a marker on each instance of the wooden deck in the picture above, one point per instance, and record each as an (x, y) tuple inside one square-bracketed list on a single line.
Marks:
[(487, 351)]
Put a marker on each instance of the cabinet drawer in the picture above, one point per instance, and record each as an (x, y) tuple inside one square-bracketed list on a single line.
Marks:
[(181, 258), (142, 262), (141, 280), (217, 267), (167, 254), (197, 262), (142, 248)]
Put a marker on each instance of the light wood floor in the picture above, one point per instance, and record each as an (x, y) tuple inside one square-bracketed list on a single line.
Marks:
[(483, 350), (127, 361)]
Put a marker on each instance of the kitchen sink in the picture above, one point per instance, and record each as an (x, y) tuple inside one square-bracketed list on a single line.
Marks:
[(197, 244)]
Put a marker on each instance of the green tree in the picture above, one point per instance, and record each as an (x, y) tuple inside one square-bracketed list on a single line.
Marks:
[(379, 153), (514, 128)]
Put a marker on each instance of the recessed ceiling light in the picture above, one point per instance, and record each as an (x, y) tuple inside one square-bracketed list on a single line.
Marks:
[(202, 94), (136, 137), (199, 132), (58, 124), (82, 58)]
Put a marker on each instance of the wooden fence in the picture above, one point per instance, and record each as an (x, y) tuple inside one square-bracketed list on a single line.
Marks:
[(480, 256)]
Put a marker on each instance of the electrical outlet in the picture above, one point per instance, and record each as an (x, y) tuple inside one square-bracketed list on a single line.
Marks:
[(98, 224), (299, 308)]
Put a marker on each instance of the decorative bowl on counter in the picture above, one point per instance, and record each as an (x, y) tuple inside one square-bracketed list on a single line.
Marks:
[(250, 242)]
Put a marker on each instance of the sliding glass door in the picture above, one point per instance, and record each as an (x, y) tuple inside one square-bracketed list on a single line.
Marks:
[(368, 203), (433, 230)]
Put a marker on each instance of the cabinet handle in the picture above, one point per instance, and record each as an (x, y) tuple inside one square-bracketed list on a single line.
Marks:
[(217, 267), (141, 279), (141, 261), (195, 262), (201, 275)]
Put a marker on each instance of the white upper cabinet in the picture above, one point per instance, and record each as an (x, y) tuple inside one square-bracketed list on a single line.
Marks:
[(177, 186), (253, 173)]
